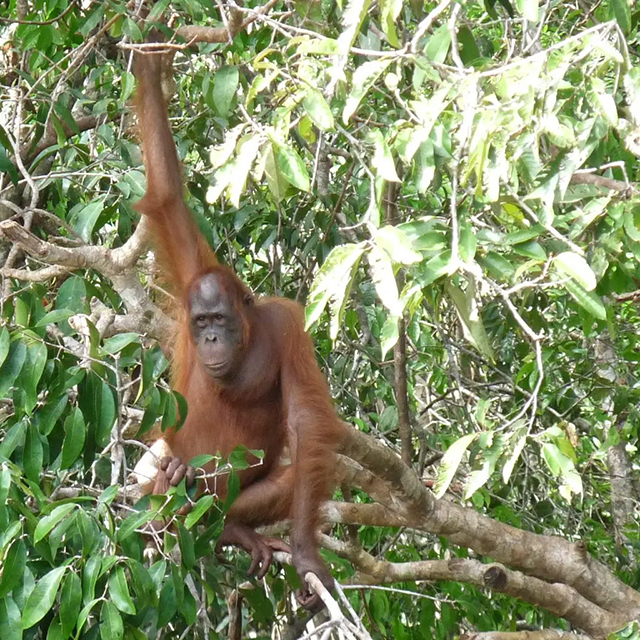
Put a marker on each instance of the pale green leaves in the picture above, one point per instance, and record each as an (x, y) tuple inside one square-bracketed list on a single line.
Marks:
[(560, 456), (389, 12), (490, 448), (382, 160), (333, 283), (392, 247), (450, 463), (352, 18), (576, 267), (274, 158), (579, 280), (384, 280), (399, 246), (528, 9), (364, 78), (318, 110), (469, 315)]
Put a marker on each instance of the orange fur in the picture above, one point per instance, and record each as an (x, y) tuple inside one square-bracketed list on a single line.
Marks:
[(284, 399)]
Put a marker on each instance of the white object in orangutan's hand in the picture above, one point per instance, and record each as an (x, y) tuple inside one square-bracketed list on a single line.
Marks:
[(145, 472)]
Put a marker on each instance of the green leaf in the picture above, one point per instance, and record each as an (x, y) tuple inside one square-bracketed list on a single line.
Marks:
[(384, 280), (86, 217), (319, 110), (622, 13), (186, 547), (46, 524), (119, 342), (233, 490), (438, 46), (127, 87), (107, 410), (520, 435), (528, 9), (498, 266), (41, 599), (333, 279), (70, 603), (201, 460), (389, 12), (55, 316), (119, 591), (588, 300), (5, 483), (389, 334), (133, 522), (352, 17), (576, 267), (5, 343), (92, 21), (397, 244), (33, 454), (74, 437), (13, 437), (382, 160), (168, 605), (450, 463), (72, 295), (111, 627), (248, 149), (224, 89), (12, 366), (603, 101), (364, 78), (10, 620), (532, 250), (55, 630), (292, 167), (469, 51), (84, 614), (277, 183), (470, 318), (89, 579), (13, 567), (435, 268), (201, 507), (31, 373)]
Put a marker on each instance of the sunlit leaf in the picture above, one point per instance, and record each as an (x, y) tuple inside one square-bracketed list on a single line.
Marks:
[(576, 267), (332, 279), (450, 463), (397, 244), (292, 167), (319, 110), (384, 280), (382, 160), (364, 77)]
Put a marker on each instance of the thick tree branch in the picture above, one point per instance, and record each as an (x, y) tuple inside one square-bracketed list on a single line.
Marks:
[(557, 598), (549, 558), (541, 634), (117, 264)]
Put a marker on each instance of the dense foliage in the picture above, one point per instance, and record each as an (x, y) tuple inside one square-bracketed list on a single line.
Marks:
[(451, 191)]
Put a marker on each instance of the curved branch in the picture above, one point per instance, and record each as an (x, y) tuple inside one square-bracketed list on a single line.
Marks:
[(549, 558)]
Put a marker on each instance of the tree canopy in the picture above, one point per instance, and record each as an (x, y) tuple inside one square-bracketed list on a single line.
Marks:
[(451, 191)]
